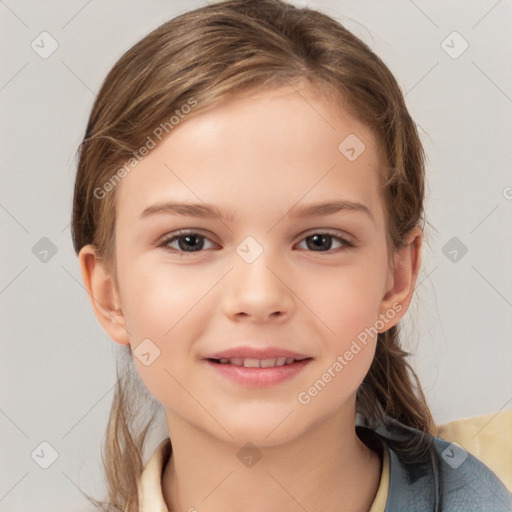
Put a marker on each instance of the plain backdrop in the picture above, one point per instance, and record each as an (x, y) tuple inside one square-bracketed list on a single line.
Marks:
[(57, 364)]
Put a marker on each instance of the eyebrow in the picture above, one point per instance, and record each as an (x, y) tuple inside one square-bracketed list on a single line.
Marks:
[(210, 211), (322, 209), (188, 210)]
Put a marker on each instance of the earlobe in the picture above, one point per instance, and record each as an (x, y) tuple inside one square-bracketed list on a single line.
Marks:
[(103, 295), (402, 278)]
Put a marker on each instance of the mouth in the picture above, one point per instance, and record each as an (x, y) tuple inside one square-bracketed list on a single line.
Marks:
[(249, 362), (257, 372)]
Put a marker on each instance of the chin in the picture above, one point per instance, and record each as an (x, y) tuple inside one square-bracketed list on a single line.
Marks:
[(263, 426), (263, 435)]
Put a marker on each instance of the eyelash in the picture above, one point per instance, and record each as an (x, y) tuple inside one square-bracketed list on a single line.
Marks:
[(182, 233)]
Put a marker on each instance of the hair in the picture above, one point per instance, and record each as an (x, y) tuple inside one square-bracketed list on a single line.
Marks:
[(207, 56)]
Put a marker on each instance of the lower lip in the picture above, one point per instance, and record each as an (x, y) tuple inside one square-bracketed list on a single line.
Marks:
[(258, 377)]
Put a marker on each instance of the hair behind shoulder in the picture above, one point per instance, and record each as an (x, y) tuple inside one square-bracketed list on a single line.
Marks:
[(209, 55)]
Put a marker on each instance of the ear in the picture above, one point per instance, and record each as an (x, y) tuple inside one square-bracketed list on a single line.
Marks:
[(402, 279), (103, 295)]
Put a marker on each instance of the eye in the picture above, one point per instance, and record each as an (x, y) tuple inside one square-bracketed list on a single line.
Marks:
[(186, 242), (323, 242)]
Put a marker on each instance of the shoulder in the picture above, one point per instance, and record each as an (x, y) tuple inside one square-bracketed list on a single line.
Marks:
[(428, 473), (488, 437), (466, 483)]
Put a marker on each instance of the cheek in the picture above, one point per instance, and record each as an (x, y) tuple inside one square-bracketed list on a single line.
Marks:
[(350, 311), (162, 312), (348, 300), (157, 298)]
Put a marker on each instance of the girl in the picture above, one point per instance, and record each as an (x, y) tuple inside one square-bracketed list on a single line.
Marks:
[(248, 219)]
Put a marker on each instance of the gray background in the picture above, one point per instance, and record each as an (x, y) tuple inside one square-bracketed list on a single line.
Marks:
[(57, 364)]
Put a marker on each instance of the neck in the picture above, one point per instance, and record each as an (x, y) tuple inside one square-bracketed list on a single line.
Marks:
[(326, 469)]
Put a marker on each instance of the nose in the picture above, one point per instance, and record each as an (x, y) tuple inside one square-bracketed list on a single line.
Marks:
[(258, 291)]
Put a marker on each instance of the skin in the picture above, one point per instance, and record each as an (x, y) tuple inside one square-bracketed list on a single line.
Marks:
[(258, 156)]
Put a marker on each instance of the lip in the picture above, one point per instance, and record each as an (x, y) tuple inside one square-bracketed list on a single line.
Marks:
[(257, 377), (256, 353)]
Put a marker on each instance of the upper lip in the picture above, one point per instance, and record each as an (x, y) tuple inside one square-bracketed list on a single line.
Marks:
[(256, 353)]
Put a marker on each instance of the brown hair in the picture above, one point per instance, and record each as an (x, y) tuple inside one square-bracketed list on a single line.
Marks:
[(208, 55)]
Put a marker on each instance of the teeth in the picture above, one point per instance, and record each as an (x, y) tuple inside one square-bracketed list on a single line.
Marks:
[(257, 363)]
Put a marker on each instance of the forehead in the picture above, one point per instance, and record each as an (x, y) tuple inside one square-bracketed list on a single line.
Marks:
[(271, 147)]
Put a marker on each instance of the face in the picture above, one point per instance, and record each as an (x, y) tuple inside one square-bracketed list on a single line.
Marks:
[(258, 304)]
